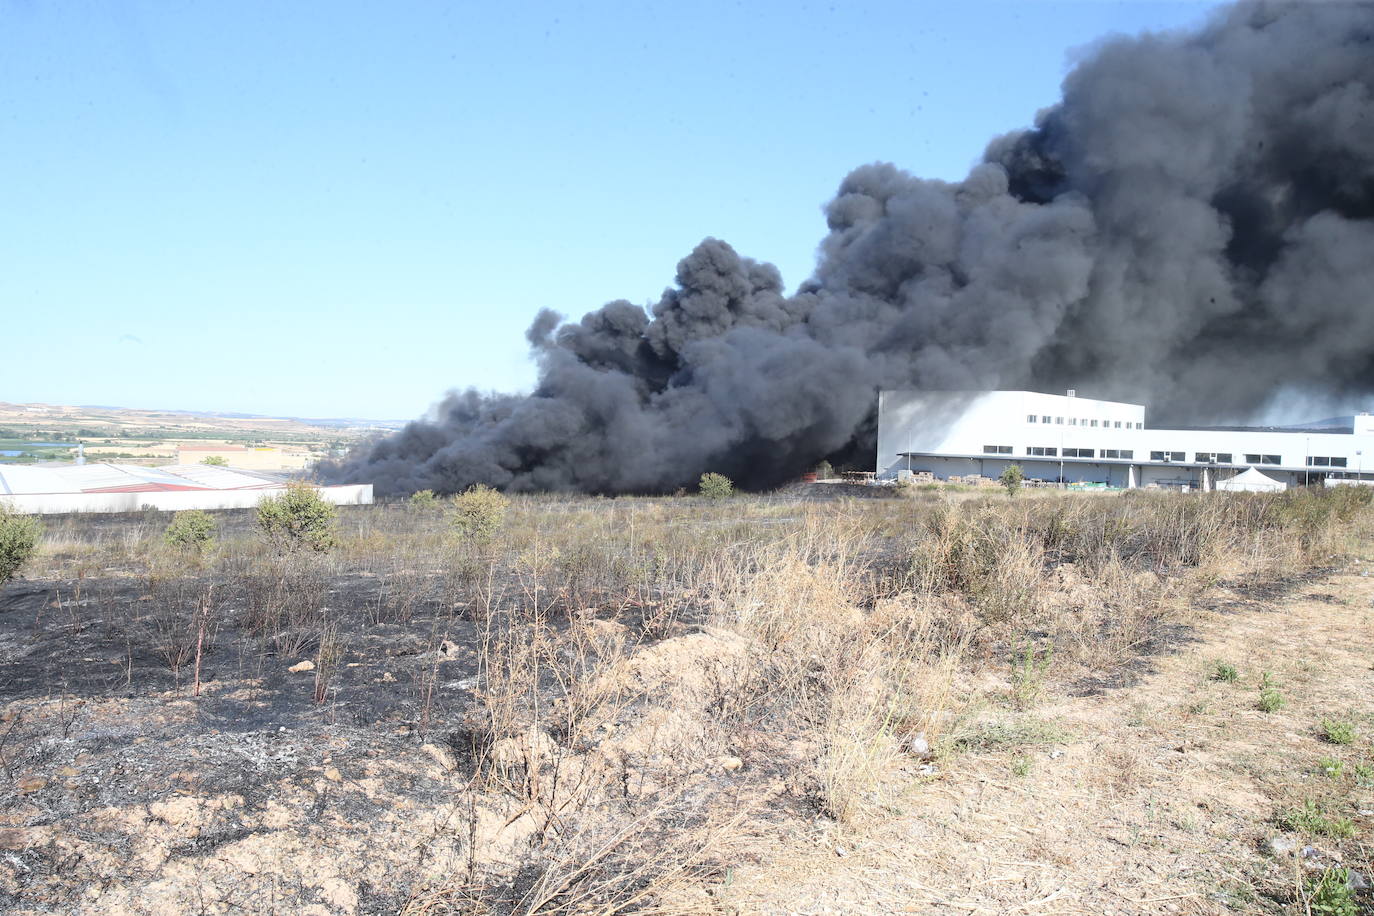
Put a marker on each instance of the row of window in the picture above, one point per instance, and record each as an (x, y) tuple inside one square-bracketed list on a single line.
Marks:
[(1039, 451), (1045, 451), (1076, 421)]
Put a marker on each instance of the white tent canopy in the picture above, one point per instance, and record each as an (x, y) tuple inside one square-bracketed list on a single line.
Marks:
[(1251, 481)]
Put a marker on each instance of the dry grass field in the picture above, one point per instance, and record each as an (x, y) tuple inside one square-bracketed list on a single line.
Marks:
[(933, 703)]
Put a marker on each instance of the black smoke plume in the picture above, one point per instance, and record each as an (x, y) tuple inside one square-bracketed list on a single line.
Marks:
[(1192, 227)]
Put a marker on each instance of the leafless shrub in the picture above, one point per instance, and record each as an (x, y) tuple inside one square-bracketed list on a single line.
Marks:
[(180, 624), (285, 603)]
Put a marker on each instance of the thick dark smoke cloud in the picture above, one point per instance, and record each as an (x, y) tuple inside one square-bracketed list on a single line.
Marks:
[(1192, 226)]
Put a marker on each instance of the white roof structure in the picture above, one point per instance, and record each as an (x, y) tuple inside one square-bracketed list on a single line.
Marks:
[(129, 478), (130, 487), (1251, 481)]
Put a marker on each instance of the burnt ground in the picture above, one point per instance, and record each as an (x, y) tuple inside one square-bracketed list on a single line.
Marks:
[(95, 720), (266, 791)]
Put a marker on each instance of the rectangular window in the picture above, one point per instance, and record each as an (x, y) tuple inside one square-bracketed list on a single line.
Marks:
[(1073, 421), (1252, 459), (1041, 451), (1156, 456), (997, 450), (1078, 453), (1117, 453), (1213, 457), (1338, 462), (1044, 419), (1094, 423), (1059, 420), (1030, 418), (1225, 458), (1118, 424), (1167, 456), (1270, 459), (1319, 462), (1140, 426)]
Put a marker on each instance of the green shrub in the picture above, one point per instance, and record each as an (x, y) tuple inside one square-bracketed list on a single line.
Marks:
[(1364, 774), (1011, 479), (715, 486), (1331, 767), (1338, 732), (1226, 673), (423, 500), (479, 513), (193, 530), (1330, 893), (216, 461), (297, 518), (19, 536), (1270, 700), (1311, 819)]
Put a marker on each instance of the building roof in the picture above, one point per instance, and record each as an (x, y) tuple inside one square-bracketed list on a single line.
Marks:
[(130, 478), (1309, 429)]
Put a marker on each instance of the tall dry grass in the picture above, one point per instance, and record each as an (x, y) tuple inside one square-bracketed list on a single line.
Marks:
[(641, 659)]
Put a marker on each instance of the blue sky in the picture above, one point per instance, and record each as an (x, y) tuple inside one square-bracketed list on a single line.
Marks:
[(346, 208)]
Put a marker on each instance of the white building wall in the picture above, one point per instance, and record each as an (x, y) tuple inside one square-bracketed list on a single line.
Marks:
[(171, 501), (961, 426), (965, 422)]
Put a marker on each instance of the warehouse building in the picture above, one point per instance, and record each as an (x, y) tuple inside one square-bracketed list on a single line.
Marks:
[(1066, 439), (128, 488)]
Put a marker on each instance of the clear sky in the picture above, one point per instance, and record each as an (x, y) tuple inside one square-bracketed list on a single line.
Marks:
[(344, 208)]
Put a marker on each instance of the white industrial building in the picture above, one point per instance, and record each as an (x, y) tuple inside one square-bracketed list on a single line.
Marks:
[(50, 489), (1073, 440)]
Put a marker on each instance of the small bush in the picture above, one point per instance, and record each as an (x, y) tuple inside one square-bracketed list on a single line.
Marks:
[(825, 471), (1331, 767), (19, 536), (1364, 774), (192, 530), (716, 486), (1011, 479), (479, 513), (1330, 894), (297, 518), (215, 461), (424, 500), (1226, 673), (1338, 732), (1311, 819), (1270, 700)]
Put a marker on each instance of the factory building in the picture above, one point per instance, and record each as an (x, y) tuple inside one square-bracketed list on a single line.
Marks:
[(128, 488), (1080, 441)]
